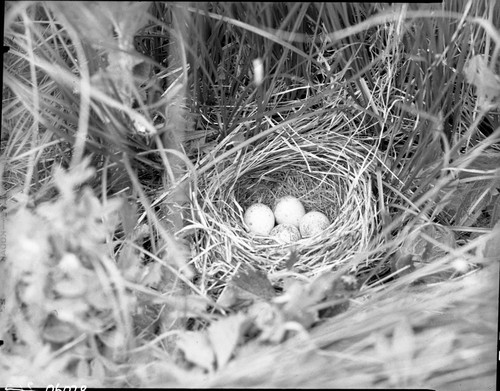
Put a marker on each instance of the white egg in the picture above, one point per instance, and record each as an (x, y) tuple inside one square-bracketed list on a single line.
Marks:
[(313, 223), (259, 219), (285, 233), (289, 210)]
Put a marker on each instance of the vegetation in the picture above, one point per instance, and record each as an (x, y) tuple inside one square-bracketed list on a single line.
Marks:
[(134, 136)]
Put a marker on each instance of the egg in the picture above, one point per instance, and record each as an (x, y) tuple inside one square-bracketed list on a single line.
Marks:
[(285, 233), (313, 223), (259, 219), (289, 210)]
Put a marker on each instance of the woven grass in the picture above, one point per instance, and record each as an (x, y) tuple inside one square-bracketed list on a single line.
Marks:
[(328, 172)]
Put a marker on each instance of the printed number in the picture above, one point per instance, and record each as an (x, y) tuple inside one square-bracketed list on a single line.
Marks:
[(50, 387)]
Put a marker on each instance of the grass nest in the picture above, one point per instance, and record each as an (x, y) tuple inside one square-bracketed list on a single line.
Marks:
[(330, 174)]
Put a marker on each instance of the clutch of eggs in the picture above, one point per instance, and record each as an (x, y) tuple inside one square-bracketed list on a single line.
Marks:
[(293, 223), (312, 223), (259, 219)]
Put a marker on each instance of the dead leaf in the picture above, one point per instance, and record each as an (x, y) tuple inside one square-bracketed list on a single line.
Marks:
[(469, 201), (154, 275), (69, 310), (263, 314), (417, 245), (319, 287), (113, 338), (97, 369), (325, 296), (82, 369), (403, 261), (491, 249), (178, 255), (229, 297), (224, 336), (96, 297), (293, 258), (197, 349), (128, 217), (183, 306), (495, 210), (300, 299), (487, 83), (337, 297), (71, 287), (269, 320)]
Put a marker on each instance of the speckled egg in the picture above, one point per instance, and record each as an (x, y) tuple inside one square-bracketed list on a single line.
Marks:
[(313, 223), (289, 210), (285, 233), (259, 219)]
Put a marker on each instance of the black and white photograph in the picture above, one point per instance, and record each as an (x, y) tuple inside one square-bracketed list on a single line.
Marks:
[(250, 195)]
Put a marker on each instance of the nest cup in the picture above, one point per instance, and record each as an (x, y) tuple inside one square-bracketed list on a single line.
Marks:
[(328, 173)]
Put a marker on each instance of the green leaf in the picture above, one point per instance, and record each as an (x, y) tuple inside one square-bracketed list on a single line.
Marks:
[(59, 332), (247, 285), (255, 282)]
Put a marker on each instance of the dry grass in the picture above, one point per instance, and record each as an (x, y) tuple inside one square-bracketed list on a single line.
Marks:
[(399, 338)]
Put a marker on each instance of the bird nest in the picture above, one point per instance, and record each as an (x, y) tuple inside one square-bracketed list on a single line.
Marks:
[(331, 173)]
